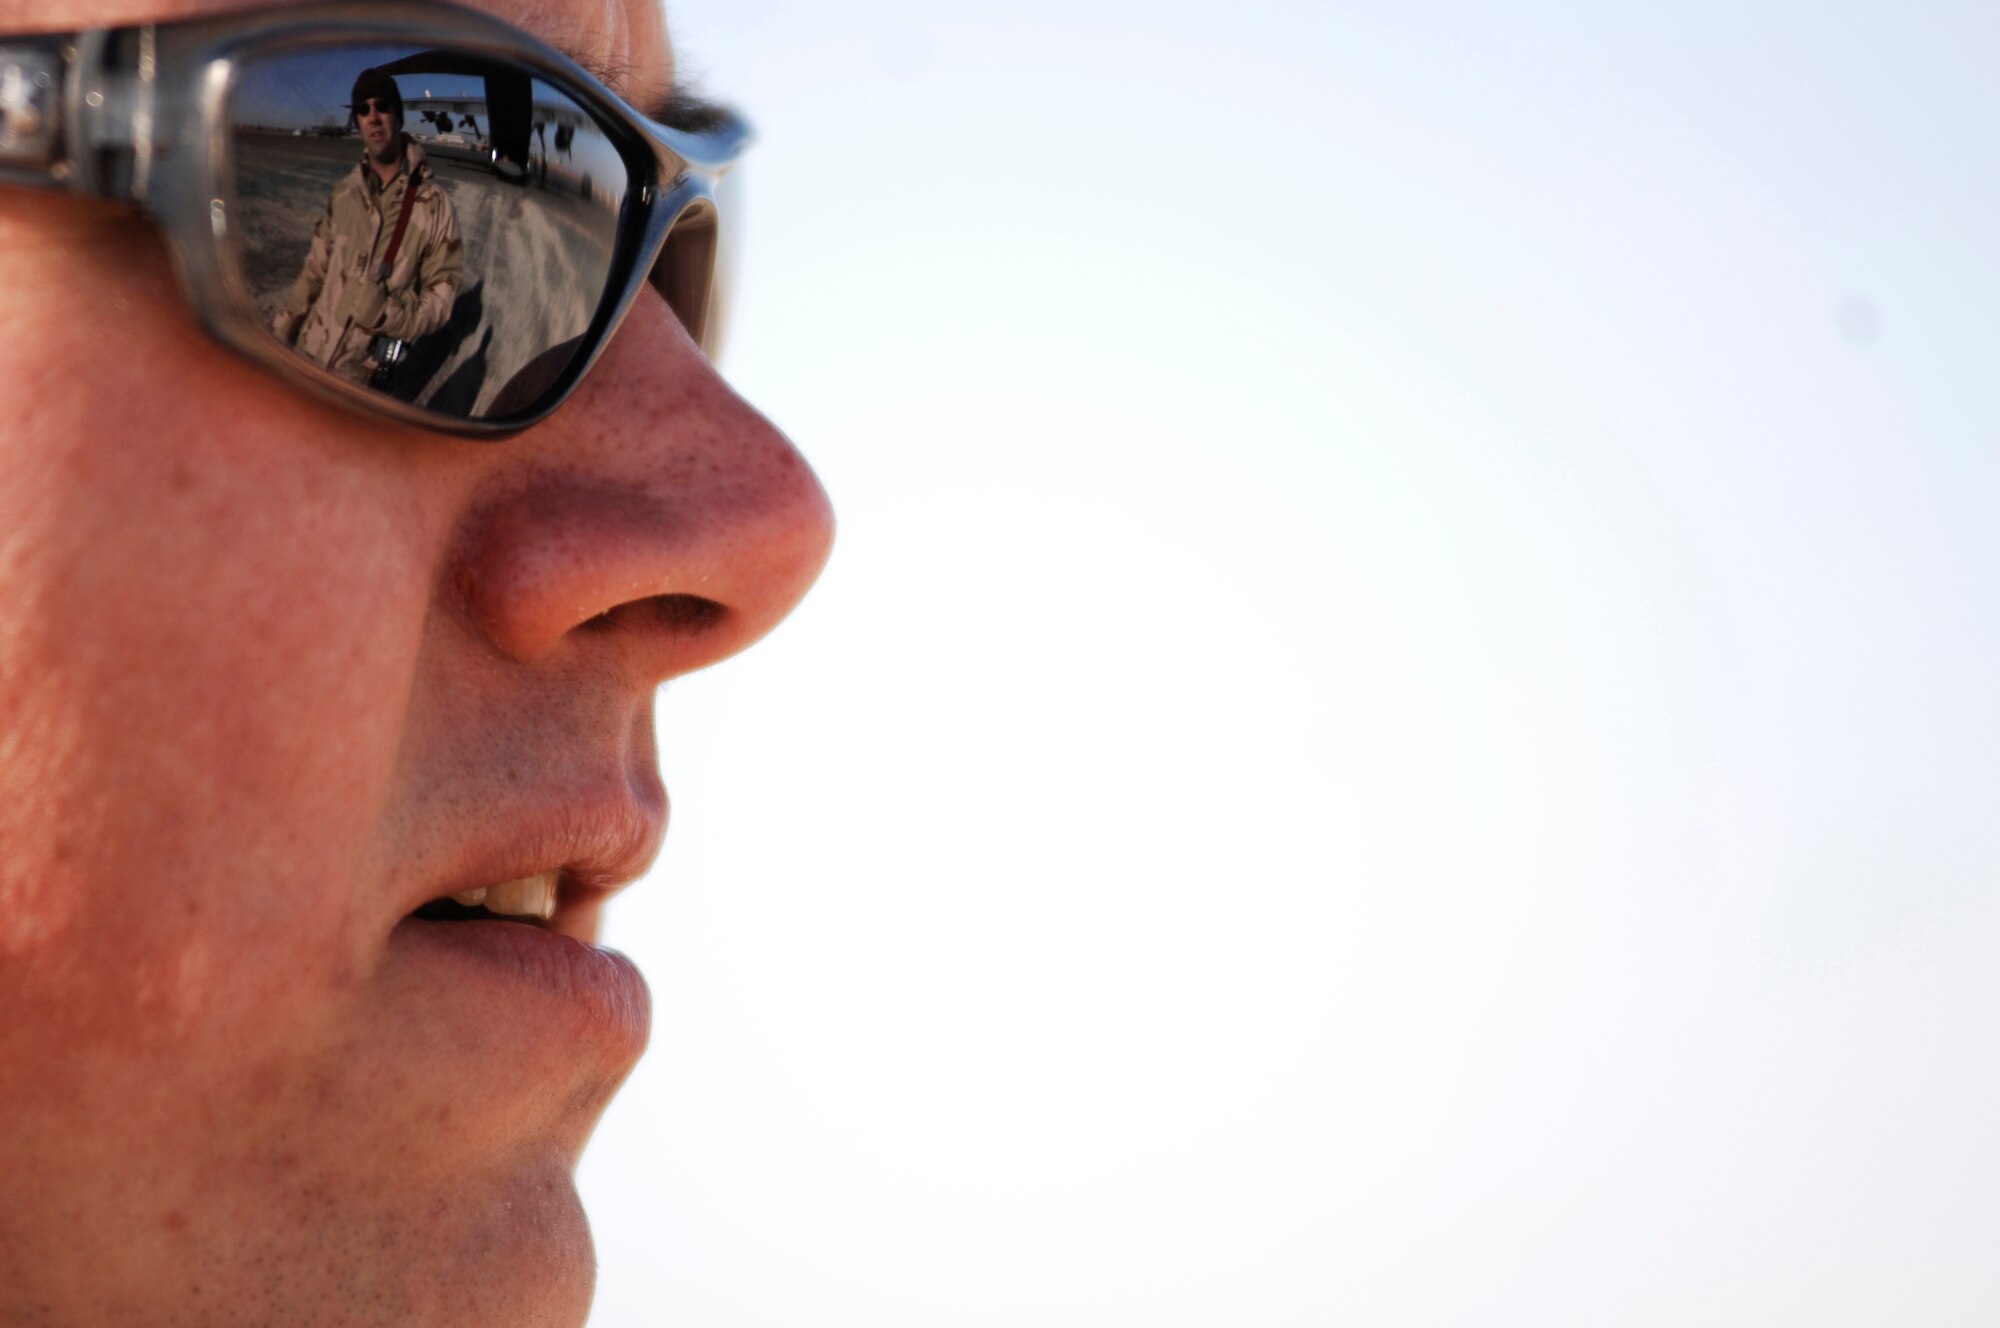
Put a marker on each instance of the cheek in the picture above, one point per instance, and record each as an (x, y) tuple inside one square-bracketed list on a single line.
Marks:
[(211, 622)]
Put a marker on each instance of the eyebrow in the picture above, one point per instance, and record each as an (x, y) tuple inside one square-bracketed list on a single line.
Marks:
[(679, 108), (682, 109)]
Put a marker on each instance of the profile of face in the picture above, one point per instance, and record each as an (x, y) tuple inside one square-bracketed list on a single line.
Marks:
[(278, 677)]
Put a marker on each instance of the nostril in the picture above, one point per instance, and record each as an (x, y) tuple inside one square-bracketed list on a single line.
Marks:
[(685, 615)]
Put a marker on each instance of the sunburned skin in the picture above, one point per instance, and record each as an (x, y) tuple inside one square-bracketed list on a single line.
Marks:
[(277, 677)]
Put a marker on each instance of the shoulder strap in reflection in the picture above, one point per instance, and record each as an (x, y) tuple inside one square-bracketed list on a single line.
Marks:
[(402, 224)]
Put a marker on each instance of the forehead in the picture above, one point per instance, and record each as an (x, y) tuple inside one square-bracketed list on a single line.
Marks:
[(622, 41)]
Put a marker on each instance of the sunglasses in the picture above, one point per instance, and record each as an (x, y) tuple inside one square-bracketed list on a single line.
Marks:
[(466, 276)]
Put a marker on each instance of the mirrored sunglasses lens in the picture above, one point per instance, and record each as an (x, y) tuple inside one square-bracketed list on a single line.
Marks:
[(453, 255)]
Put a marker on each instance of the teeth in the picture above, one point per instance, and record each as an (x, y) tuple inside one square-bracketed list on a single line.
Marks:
[(531, 896), (471, 898)]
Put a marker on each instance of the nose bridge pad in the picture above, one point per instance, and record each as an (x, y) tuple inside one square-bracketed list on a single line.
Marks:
[(685, 273)]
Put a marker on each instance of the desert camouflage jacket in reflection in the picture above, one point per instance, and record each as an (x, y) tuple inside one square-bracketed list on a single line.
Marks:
[(337, 294)]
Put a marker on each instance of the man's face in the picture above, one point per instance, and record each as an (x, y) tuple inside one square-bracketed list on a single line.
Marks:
[(275, 675), (379, 126)]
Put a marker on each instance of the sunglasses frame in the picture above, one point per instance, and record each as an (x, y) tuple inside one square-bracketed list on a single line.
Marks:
[(140, 114)]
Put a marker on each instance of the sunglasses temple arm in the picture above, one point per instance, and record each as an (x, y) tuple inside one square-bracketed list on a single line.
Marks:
[(71, 121)]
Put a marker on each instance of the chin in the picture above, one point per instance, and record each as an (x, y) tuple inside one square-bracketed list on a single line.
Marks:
[(514, 1252)]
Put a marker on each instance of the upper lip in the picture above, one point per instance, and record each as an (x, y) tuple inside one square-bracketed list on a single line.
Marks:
[(598, 847)]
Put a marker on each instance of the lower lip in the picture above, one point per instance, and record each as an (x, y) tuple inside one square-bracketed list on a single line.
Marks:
[(539, 978)]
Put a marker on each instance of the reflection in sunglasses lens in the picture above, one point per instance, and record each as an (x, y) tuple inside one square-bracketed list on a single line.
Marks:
[(437, 225)]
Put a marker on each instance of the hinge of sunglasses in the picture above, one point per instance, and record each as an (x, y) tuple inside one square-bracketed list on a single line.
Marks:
[(112, 101), (72, 118)]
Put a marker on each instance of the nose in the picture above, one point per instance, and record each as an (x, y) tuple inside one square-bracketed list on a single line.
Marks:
[(656, 515)]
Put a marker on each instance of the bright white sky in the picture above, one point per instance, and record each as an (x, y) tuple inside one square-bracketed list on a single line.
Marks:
[(1402, 729)]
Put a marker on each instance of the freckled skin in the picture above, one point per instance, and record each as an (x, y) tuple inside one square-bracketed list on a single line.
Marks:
[(264, 665)]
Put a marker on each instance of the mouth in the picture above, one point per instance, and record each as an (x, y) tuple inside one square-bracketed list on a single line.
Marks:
[(527, 945), (530, 899), (506, 918)]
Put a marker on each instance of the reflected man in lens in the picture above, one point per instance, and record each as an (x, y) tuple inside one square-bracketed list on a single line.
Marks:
[(385, 261)]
